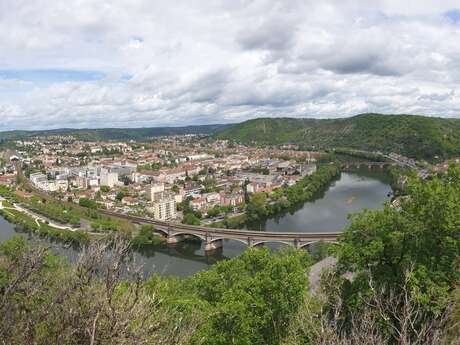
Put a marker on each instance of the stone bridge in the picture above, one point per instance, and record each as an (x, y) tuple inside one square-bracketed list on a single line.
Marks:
[(348, 165), (213, 237)]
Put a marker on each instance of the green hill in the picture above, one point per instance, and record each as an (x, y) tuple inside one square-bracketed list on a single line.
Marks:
[(410, 135), (114, 133)]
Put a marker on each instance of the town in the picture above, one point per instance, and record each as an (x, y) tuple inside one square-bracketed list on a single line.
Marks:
[(188, 178)]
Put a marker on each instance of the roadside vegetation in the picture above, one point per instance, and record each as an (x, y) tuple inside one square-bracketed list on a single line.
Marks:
[(65, 214)]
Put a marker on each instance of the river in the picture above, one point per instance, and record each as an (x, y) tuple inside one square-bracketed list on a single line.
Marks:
[(353, 192)]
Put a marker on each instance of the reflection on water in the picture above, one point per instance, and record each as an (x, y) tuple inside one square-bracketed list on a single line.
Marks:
[(352, 193)]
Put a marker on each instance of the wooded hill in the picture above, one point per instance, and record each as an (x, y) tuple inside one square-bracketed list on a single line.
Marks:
[(114, 133), (410, 135)]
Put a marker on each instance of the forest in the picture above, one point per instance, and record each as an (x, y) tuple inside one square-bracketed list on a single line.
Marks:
[(414, 136)]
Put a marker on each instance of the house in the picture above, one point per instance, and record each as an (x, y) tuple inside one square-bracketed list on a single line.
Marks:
[(7, 180), (198, 203), (234, 199), (129, 201)]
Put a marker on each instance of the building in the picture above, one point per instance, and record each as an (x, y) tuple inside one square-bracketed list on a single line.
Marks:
[(108, 178), (154, 189), (232, 199), (199, 203), (308, 169), (129, 201), (164, 206), (38, 178), (82, 182), (7, 180), (212, 198)]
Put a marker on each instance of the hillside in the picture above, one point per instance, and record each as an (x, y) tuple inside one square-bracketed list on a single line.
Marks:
[(410, 135), (114, 133)]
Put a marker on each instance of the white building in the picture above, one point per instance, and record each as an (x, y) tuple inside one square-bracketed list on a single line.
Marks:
[(38, 178), (164, 207), (199, 157), (212, 198), (154, 189), (108, 178)]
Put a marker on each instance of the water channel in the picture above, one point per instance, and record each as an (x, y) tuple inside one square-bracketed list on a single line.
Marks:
[(354, 191)]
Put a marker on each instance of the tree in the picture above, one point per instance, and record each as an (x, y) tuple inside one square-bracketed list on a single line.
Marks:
[(214, 212), (126, 180), (191, 219), (422, 238), (45, 301), (145, 236), (257, 207), (392, 316), (252, 296), (120, 195), (105, 189), (85, 202)]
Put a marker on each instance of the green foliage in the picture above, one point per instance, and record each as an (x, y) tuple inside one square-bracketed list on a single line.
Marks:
[(422, 238), (257, 207), (88, 203), (103, 134), (146, 236), (105, 189), (30, 225), (252, 297), (120, 196), (191, 219), (215, 211), (46, 301), (453, 333), (413, 136)]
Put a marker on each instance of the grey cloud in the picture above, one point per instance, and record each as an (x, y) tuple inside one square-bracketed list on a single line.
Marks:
[(226, 62), (360, 62), (276, 34)]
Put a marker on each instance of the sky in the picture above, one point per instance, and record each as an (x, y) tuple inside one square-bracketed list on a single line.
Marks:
[(147, 63)]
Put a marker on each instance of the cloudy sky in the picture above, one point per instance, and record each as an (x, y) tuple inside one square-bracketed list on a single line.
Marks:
[(133, 63)]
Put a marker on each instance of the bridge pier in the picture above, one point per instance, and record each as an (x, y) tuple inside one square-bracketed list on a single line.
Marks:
[(213, 245), (297, 244), (175, 239)]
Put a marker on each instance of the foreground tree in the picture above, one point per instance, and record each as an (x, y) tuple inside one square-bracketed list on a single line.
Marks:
[(413, 250), (251, 298), (44, 301), (392, 316)]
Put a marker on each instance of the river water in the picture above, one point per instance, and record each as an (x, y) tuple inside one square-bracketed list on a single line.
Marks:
[(353, 192)]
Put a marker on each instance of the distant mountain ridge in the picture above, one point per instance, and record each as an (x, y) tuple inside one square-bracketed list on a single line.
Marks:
[(410, 135), (115, 133)]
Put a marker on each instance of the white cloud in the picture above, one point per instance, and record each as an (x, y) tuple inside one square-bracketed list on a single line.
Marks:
[(187, 62)]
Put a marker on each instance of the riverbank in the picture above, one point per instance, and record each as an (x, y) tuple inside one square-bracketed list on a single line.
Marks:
[(64, 223), (264, 206), (28, 224)]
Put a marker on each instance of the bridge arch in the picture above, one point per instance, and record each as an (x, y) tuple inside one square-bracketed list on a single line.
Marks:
[(175, 234), (256, 243), (306, 244), (214, 239), (161, 232)]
